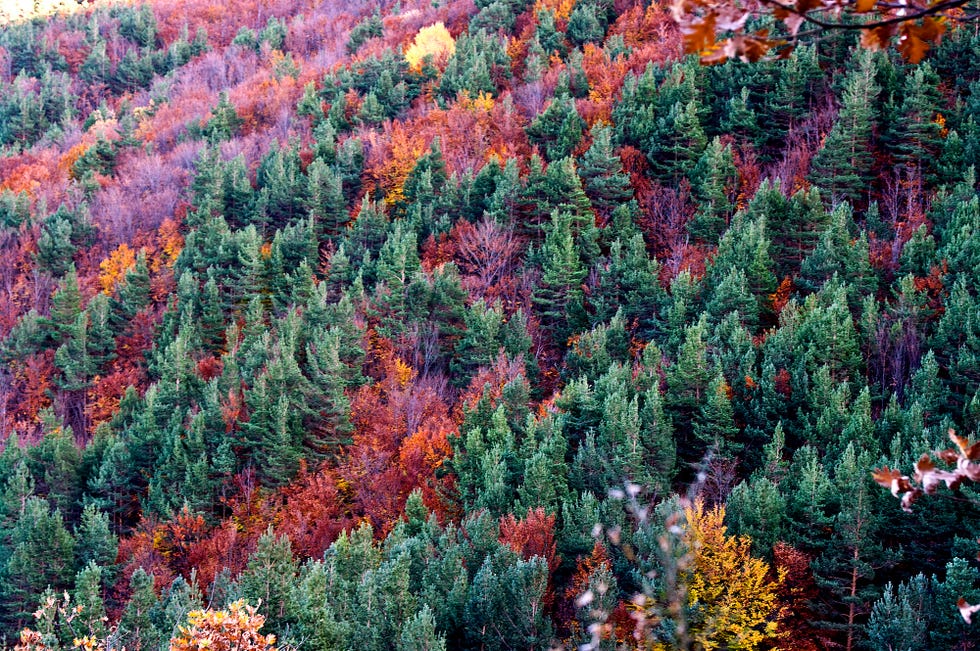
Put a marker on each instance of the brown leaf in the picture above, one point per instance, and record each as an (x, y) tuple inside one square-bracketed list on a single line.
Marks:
[(948, 455), (785, 51), (924, 464), (893, 480), (909, 498), (755, 47), (969, 470), (731, 21), (932, 29), (973, 452), (864, 6), (966, 610), (700, 36), (968, 450), (877, 38), (885, 476), (911, 44), (719, 53), (793, 22), (803, 6)]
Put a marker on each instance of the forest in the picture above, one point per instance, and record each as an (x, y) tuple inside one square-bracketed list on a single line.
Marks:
[(487, 325)]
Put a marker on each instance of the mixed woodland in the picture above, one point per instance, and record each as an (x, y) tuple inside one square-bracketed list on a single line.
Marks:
[(479, 324)]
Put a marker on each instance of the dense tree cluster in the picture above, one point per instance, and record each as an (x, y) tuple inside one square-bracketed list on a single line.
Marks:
[(483, 325)]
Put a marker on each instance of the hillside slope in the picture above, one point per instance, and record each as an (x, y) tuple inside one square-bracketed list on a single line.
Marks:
[(461, 325)]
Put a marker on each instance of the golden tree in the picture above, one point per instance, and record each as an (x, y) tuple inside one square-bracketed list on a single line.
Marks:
[(113, 269), (733, 596), (433, 41)]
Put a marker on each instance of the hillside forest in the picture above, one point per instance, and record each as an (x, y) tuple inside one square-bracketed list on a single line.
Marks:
[(486, 325)]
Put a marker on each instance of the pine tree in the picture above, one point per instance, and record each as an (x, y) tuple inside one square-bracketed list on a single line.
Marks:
[(72, 358), (137, 629), (431, 166), (658, 435), (628, 282), (745, 247), (559, 294), (419, 633), (42, 555), (795, 91), (558, 129), (505, 608), (237, 194), (66, 307), (688, 382), (398, 263), (757, 509), (681, 143), (94, 540), (810, 498), (270, 576), (959, 247), (101, 341), (843, 165), (846, 567), (90, 601), (732, 297), (385, 604), (603, 178), (282, 194), (224, 123), (481, 341), (947, 629), (716, 179), (895, 622), (714, 424), (177, 600), (957, 343), (840, 253), (545, 472), (551, 39), (329, 424), (795, 223), (584, 26), (916, 133)]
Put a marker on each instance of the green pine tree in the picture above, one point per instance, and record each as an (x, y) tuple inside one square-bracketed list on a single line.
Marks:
[(843, 165)]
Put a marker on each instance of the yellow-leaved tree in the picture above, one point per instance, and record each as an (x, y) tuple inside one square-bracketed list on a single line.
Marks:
[(233, 629), (732, 596), (433, 41), (113, 269)]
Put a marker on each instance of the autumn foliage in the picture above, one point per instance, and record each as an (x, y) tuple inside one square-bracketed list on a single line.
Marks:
[(736, 595), (233, 629), (369, 311), (433, 42)]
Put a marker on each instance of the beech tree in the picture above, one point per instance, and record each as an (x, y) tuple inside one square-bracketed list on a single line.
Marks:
[(722, 574)]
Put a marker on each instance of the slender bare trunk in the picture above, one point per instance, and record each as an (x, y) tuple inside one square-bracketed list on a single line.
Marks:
[(852, 609)]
